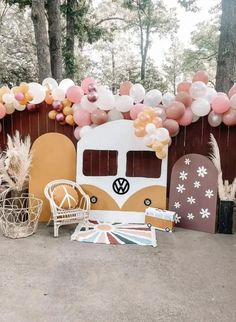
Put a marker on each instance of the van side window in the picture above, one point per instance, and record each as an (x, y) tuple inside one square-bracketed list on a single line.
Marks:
[(100, 163), (143, 164)]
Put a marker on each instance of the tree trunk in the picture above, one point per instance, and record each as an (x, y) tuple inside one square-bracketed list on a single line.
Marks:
[(226, 62), (41, 38), (54, 31), (70, 39)]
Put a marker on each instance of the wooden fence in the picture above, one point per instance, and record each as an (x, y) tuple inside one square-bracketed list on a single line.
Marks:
[(191, 139)]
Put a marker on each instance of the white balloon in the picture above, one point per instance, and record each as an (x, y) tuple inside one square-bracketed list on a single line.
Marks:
[(195, 118), (85, 130), (65, 84), (10, 108), (50, 82), (76, 106), (201, 107), (233, 101), (114, 115), (18, 106), (167, 99), (148, 139), (106, 99), (150, 128), (137, 91), (160, 112), (210, 94), (162, 134), (38, 92), (8, 98), (198, 89), (58, 94), (124, 103), (86, 105), (152, 98)]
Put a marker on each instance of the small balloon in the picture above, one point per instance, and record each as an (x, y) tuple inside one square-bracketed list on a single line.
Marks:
[(202, 76), (200, 107), (220, 104), (106, 99), (57, 106), (135, 110), (3, 111), (153, 98), (162, 134), (38, 93), (150, 128), (86, 82), (232, 91), (31, 107), (50, 83), (214, 119), (58, 94), (229, 117), (233, 101), (124, 103), (183, 87), (167, 99), (65, 84), (82, 117), (77, 132), (184, 98), (186, 118), (60, 117), (92, 96), (172, 126), (19, 96), (125, 88), (75, 93), (52, 114), (198, 90), (99, 117), (175, 110), (87, 105)]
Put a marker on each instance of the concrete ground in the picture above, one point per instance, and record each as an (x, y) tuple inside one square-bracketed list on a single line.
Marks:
[(190, 276)]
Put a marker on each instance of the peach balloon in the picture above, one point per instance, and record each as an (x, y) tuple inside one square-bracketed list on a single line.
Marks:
[(183, 87), (140, 132), (184, 98), (52, 115), (99, 116), (125, 88), (187, 117), (229, 118), (135, 110), (75, 93), (175, 110), (220, 104), (202, 76), (172, 126), (232, 91)]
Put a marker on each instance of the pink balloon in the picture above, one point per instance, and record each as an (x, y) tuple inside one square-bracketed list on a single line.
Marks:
[(75, 93), (183, 87), (2, 111), (77, 132), (175, 110), (172, 126), (202, 76), (19, 96), (232, 91), (220, 104), (86, 82), (187, 117), (135, 110), (229, 118), (99, 116), (82, 117)]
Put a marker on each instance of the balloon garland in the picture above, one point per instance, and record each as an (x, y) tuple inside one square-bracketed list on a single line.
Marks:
[(156, 117)]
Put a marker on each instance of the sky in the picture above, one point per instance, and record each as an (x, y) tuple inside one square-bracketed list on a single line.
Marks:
[(187, 23)]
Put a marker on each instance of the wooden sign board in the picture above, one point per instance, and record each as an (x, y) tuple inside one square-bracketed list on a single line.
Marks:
[(54, 157), (193, 193)]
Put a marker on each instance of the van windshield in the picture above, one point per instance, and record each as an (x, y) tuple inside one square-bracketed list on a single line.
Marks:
[(143, 164), (100, 162)]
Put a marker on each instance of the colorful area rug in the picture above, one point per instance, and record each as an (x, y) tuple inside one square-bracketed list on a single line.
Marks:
[(116, 234)]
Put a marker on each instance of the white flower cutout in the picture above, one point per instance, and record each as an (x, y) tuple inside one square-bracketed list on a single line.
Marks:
[(180, 188), (190, 216), (187, 161), (177, 204), (205, 213), (197, 184), (202, 171), (191, 200), (209, 193), (183, 175), (177, 218)]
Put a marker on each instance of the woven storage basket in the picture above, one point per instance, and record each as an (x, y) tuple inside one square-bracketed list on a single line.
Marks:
[(19, 215)]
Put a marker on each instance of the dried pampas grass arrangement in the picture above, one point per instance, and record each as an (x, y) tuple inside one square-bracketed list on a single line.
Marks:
[(226, 191), (15, 163)]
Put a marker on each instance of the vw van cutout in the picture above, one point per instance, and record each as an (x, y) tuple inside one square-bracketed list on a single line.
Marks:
[(120, 174), (160, 219)]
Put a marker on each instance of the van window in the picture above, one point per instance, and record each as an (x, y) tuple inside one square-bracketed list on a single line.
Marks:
[(143, 164), (100, 163)]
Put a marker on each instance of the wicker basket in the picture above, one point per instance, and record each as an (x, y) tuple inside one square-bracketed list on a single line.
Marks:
[(19, 215)]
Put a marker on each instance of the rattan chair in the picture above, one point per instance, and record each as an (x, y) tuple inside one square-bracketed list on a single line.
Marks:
[(61, 216)]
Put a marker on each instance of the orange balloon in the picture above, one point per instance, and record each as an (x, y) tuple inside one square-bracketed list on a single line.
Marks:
[(24, 101), (184, 98), (183, 87), (125, 87), (157, 121), (28, 97), (140, 132), (68, 110), (202, 76), (49, 99), (144, 118), (232, 91), (138, 123), (70, 120), (157, 146), (161, 154), (66, 102), (52, 114), (16, 89), (24, 87)]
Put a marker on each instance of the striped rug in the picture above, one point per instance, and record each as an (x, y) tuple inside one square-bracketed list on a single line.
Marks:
[(116, 234)]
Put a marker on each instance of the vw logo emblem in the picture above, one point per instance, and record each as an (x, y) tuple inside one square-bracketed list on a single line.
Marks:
[(120, 186)]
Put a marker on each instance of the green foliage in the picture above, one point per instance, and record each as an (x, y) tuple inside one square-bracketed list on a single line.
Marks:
[(22, 3), (189, 5)]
